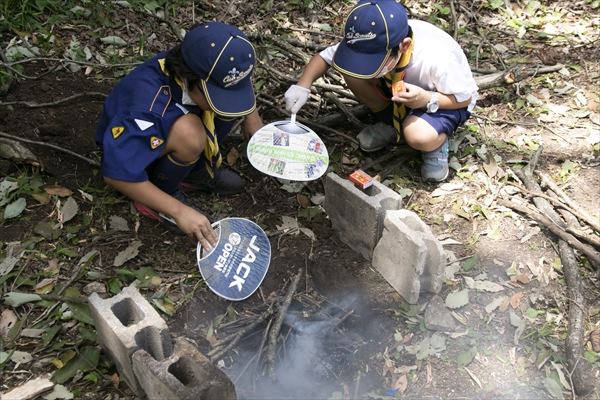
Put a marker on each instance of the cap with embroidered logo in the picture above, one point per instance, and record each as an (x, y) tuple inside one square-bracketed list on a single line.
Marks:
[(372, 29), (224, 59)]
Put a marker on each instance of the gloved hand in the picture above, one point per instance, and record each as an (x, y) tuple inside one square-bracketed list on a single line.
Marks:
[(295, 97)]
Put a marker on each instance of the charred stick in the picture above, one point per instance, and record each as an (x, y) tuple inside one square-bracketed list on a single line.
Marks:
[(237, 378), (583, 215), (218, 353), (274, 332), (264, 340)]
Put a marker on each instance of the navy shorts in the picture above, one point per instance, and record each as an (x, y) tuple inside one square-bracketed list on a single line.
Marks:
[(443, 121)]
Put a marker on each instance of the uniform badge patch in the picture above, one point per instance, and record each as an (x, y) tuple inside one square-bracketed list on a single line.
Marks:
[(155, 142), (117, 131)]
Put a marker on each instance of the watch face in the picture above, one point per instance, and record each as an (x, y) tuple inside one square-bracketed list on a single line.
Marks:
[(433, 105)]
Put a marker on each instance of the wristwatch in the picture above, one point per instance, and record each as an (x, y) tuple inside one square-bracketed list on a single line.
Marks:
[(433, 104)]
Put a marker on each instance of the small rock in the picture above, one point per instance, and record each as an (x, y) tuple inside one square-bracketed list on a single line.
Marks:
[(437, 316), (94, 287)]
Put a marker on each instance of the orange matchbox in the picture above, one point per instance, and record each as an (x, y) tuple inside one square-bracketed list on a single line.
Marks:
[(361, 179), (397, 87)]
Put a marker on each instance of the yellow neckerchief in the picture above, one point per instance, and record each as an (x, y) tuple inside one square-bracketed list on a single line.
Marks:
[(211, 150), (391, 78)]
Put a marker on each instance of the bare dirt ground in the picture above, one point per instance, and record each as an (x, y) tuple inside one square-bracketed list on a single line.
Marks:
[(510, 341)]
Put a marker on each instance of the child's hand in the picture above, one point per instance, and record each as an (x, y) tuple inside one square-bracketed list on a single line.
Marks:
[(413, 96), (196, 226)]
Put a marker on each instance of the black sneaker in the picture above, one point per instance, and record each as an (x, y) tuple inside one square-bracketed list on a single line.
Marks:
[(225, 182)]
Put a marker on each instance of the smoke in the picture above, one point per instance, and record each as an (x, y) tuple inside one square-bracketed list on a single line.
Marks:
[(316, 358)]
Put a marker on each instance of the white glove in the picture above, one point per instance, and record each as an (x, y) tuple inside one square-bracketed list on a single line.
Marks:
[(295, 97)]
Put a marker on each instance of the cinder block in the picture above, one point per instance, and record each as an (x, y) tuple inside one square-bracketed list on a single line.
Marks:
[(435, 261), (358, 215), (120, 322), (180, 374), (408, 256)]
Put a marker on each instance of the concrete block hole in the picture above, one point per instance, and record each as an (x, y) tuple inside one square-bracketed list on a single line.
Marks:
[(127, 312), (372, 191), (156, 342), (183, 369)]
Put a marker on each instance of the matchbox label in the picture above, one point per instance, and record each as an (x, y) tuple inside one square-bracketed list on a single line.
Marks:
[(237, 265)]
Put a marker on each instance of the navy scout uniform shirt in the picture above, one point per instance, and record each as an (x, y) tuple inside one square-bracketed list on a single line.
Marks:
[(136, 119)]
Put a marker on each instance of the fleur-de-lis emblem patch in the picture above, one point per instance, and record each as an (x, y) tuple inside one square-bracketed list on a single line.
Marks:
[(155, 142)]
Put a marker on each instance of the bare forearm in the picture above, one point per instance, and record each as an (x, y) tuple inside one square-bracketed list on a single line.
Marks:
[(252, 123), (148, 194), (315, 68), (448, 102)]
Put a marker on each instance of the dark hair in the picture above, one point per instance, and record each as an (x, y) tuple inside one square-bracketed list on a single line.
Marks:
[(175, 66), (394, 51)]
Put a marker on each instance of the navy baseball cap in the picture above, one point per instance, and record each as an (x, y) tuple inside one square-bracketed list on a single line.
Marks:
[(224, 60), (372, 29)]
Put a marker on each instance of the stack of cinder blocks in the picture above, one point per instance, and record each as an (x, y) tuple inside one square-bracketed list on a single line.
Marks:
[(399, 244), (153, 364)]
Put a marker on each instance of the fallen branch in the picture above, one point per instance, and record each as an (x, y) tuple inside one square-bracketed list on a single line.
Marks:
[(274, 332), (68, 61), (555, 201), (578, 366), (589, 252), (52, 146), (33, 104), (593, 240), (580, 383), (513, 75), (582, 215)]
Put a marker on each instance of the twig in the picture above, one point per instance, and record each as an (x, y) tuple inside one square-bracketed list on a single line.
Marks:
[(32, 104), (237, 378), (74, 275), (52, 146), (274, 332), (454, 20), (53, 297), (66, 60), (582, 213)]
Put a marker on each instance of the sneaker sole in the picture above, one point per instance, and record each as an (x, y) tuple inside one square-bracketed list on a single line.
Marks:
[(437, 180)]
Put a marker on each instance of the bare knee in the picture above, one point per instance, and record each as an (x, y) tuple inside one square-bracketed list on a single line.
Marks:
[(420, 135), (187, 138)]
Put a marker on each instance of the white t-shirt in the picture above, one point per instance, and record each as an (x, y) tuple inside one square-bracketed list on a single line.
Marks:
[(438, 63)]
